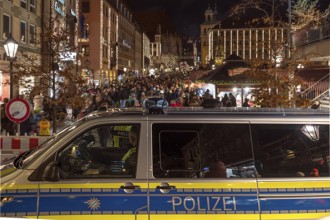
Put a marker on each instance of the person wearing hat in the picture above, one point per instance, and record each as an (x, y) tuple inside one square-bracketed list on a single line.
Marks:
[(314, 172)]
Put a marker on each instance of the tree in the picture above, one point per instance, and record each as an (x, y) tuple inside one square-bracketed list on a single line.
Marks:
[(49, 70), (275, 74), (295, 15), (169, 60), (306, 14), (274, 86)]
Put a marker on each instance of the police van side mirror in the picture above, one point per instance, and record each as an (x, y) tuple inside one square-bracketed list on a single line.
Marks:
[(51, 172)]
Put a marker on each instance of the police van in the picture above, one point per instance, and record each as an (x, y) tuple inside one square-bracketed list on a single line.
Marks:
[(177, 163)]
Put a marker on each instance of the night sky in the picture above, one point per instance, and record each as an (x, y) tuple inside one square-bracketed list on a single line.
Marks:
[(187, 15)]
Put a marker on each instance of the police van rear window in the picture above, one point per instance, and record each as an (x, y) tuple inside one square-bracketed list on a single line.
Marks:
[(224, 150)]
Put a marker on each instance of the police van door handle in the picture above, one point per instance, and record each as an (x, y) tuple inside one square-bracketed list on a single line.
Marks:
[(128, 187), (165, 187)]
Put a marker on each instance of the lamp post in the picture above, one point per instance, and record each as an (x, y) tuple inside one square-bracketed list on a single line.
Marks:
[(11, 46)]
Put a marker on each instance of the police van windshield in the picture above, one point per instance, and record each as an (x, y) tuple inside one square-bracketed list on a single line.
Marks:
[(21, 160), (26, 157)]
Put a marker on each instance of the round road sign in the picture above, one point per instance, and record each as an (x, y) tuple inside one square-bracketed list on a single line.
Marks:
[(18, 110)]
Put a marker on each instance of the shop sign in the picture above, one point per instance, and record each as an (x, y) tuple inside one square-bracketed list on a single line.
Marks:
[(59, 7), (126, 44)]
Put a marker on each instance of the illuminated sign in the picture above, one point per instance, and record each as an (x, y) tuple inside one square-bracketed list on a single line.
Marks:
[(126, 44), (68, 56), (58, 5)]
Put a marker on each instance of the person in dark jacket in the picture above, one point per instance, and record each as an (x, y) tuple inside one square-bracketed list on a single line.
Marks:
[(232, 100), (124, 95), (246, 103)]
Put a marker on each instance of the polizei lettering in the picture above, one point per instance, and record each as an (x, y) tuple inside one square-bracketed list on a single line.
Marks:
[(207, 203)]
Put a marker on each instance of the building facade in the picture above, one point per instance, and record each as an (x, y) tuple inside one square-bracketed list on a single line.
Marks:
[(59, 21), (164, 50), (165, 44), (220, 39), (27, 21), (23, 20), (190, 54), (138, 51), (312, 43), (98, 40), (146, 54), (211, 19), (248, 43), (110, 40)]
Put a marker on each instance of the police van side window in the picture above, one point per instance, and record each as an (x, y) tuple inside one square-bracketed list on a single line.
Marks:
[(292, 150), (202, 151), (102, 152)]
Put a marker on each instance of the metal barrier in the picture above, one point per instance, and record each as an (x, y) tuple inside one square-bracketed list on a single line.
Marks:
[(14, 145)]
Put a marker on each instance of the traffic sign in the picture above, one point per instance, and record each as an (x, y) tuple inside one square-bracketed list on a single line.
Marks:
[(18, 110)]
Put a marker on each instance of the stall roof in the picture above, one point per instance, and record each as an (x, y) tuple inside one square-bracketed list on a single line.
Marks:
[(231, 71)]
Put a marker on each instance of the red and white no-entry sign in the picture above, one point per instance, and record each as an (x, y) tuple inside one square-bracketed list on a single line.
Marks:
[(18, 110)]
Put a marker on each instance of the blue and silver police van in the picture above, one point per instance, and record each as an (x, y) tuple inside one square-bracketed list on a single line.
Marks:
[(177, 163)]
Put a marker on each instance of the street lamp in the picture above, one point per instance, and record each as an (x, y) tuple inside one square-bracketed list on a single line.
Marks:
[(11, 46), (311, 131)]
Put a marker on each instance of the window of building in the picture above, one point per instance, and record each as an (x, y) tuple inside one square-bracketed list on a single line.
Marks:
[(105, 11), (23, 32), (325, 30), (24, 4), (6, 26), (32, 6), (32, 36), (112, 54), (197, 150), (85, 6), (105, 51), (102, 152), (84, 50), (113, 17)]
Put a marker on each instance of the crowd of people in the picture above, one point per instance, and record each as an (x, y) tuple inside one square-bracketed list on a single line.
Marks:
[(130, 92), (133, 91)]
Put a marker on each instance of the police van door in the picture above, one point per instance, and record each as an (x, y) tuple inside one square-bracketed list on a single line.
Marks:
[(95, 177), (294, 178), (202, 170)]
